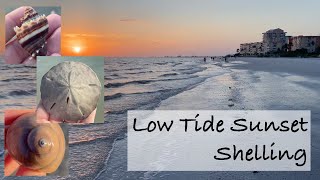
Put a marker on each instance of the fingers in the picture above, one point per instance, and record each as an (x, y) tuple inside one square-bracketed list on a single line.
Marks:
[(42, 114), (53, 42), (14, 53), (54, 21), (23, 171), (55, 54), (29, 61), (10, 165), (12, 19), (90, 118), (11, 115)]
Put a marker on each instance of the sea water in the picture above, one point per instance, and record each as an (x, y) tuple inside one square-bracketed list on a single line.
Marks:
[(98, 151)]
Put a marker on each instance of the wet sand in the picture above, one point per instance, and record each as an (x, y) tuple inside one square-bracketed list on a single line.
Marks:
[(257, 84), (248, 84), (243, 83)]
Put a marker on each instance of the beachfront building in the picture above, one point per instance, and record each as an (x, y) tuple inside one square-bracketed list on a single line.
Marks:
[(288, 45), (310, 43), (255, 48), (274, 40)]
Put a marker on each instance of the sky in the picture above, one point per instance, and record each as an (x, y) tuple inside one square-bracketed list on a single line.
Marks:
[(143, 28)]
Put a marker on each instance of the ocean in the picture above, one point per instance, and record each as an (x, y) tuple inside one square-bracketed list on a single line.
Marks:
[(98, 151)]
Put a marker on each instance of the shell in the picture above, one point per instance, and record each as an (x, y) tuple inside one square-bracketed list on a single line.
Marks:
[(33, 32), (70, 91), (38, 146)]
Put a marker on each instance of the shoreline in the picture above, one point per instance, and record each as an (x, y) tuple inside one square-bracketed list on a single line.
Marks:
[(254, 84), (279, 57)]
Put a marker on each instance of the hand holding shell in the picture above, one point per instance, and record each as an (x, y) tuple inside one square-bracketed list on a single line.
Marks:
[(37, 146), (70, 91), (33, 32)]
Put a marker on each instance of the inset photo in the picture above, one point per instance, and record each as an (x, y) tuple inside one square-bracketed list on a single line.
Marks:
[(31, 32), (70, 89), (34, 147)]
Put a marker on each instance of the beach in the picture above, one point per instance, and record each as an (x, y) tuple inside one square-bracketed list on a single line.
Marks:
[(99, 151)]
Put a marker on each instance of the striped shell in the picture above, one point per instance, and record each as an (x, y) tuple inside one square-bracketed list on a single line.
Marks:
[(33, 32), (38, 146)]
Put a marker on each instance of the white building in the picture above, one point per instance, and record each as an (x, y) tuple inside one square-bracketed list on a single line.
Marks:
[(310, 43), (255, 48), (274, 40)]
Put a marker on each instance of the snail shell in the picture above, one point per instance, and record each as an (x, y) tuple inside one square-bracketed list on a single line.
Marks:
[(33, 32), (70, 91), (38, 146)]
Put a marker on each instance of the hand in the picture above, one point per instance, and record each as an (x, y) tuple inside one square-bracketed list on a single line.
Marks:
[(11, 165), (14, 53), (42, 114)]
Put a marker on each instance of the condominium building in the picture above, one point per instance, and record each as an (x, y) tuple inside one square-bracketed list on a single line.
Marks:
[(310, 43), (251, 48), (288, 43), (274, 40)]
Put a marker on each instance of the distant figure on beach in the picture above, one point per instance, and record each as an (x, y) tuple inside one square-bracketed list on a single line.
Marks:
[(225, 59), (204, 59), (212, 58)]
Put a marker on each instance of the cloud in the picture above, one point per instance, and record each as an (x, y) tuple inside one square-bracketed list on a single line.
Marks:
[(72, 35), (128, 20), (104, 37)]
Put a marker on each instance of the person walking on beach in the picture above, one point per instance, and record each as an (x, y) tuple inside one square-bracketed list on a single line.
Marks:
[(204, 59)]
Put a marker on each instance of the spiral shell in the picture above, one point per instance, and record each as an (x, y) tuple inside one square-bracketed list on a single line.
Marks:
[(38, 146), (33, 32), (70, 91)]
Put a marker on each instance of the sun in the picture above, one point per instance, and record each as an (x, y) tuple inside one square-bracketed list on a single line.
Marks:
[(77, 49)]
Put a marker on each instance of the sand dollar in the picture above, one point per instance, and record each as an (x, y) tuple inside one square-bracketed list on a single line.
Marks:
[(70, 91)]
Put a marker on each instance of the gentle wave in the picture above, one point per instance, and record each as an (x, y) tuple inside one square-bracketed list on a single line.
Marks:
[(17, 79), (161, 63), (169, 74), (22, 92), (116, 85), (193, 71), (141, 72), (118, 95), (147, 100)]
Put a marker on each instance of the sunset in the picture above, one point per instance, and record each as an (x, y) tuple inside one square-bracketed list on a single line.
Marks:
[(77, 49), (160, 89), (125, 28)]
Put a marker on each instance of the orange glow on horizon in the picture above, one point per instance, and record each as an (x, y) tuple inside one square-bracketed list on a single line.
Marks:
[(116, 28)]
